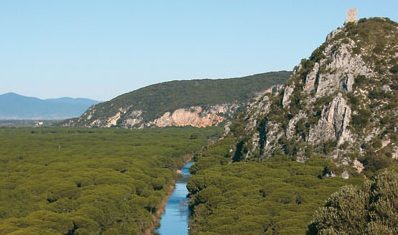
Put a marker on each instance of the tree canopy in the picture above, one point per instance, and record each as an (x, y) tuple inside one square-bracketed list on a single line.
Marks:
[(370, 209), (88, 181)]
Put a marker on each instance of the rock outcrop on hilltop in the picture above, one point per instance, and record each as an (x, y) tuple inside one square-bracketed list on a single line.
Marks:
[(341, 102), (197, 103)]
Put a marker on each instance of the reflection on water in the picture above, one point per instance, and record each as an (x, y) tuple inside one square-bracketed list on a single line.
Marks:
[(174, 221)]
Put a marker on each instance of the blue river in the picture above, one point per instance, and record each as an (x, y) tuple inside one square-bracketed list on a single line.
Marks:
[(175, 220)]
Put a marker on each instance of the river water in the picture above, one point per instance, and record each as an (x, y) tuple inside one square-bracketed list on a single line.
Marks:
[(175, 219)]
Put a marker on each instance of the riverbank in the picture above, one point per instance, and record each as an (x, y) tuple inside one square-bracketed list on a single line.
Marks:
[(158, 215), (162, 206)]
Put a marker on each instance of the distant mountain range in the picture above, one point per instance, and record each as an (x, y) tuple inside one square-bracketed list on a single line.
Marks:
[(17, 107)]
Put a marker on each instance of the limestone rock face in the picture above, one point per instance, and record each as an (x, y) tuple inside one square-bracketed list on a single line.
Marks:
[(311, 79), (286, 95), (112, 121), (291, 128), (341, 70), (261, 131), (338, 103), (333, 124), (195, 116), (134, 119), (335, 72)]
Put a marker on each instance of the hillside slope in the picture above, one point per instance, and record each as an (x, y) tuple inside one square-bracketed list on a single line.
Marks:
[(179, 103), (342, 102), (336, 116), (14, 106)]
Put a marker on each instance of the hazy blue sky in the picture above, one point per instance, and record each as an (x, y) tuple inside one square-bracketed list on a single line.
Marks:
[(100, 49)]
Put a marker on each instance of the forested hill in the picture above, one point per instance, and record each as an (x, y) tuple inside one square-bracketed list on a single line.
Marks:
[(341, 102), (200, 103), (334, 122)]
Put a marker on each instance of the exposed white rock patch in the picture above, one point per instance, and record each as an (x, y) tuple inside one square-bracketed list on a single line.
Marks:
[(95, 123), (291, 129), (194, 116), (333, 124), (112, 121), (385, 142), (358, 165), (134, 119), (345, 175), (286, 95), (395, 153), (227, 128), (340, 71), (274, 134), (311, 79), (386, 88), (260, 106), (374, 132)]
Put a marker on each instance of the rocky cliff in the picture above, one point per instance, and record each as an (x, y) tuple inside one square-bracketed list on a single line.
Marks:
[(196, 116), (197, 103), (341, 102)]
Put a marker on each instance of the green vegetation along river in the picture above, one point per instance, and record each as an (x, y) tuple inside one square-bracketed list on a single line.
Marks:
[(89, 181), (274, 196)]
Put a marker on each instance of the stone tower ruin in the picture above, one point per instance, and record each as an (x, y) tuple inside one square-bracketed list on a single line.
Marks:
[(351, 16)]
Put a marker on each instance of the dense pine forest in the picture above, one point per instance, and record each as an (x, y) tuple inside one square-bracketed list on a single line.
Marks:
[(276, 196), (81, 181)]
